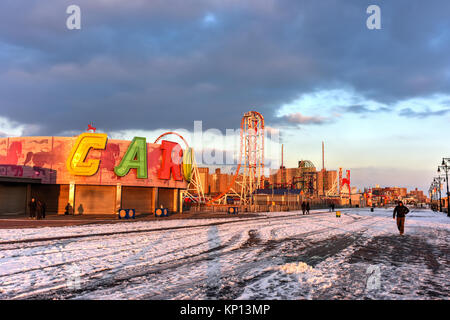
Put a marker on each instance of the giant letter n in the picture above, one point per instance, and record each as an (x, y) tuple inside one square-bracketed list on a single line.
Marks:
[(76, 163), (171, 160), (134, 158)]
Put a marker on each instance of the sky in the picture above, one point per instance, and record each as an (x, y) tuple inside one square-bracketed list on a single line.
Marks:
[(379, 99)]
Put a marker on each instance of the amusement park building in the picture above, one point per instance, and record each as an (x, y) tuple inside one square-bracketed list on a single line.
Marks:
[(42, 167), (325, 180), (216, 182), (305, 177)]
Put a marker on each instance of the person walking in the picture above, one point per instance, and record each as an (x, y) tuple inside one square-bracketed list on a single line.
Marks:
[(401, 211), (332, 207), (307, 207), (44, 209), (68, 209), (33, 207), (303, 207), (41, 208)]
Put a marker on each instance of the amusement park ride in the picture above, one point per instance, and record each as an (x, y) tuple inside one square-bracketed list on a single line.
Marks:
[(251, 161), (194, 191), (341, 186), (249, 174)]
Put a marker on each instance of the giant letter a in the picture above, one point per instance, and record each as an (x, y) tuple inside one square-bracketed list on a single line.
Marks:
[(134, 158)]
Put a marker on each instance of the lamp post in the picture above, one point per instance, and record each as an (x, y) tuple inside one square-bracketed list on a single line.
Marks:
[(434, 196), (445, 167), (438, 180), (430, 192)]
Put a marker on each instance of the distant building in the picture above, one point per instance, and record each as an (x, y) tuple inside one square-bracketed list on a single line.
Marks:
[(417, 195), (389, 195)]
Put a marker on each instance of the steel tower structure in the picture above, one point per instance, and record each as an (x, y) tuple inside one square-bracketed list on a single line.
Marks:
[(251, 160), (252, 144)]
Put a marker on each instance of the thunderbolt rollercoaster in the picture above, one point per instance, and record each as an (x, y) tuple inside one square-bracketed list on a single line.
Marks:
[(251, 160)]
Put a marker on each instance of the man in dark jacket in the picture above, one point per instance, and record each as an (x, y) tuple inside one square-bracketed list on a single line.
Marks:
[(33, 208), (307, 207), (401, 211), (68, 209), (41, 207), (303, 207), (44, 209)]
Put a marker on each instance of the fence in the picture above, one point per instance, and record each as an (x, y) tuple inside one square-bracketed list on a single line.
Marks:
[(270, 203)]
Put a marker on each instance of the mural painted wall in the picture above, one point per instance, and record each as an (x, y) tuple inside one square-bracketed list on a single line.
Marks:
[(45, 158)]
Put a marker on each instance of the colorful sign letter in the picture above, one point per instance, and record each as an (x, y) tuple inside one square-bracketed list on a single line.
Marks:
[(171, 162), (134, 158), (76, 163)]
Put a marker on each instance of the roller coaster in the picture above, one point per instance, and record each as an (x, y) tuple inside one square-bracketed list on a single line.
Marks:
[(251, 161)]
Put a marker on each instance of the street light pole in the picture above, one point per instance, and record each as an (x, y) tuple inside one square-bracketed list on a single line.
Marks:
[(434, 193), (430, 192), (446, 168), (438, 181)]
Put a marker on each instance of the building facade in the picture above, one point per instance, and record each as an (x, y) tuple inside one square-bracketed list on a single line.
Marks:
[(83, 173)]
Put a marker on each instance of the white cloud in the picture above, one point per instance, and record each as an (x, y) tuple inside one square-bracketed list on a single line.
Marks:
[(10, 128), (209, 19)]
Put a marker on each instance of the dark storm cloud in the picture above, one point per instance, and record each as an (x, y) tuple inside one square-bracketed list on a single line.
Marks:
[(159, 64), (299, 119), (358, 109), (361, 109), (409, 113)]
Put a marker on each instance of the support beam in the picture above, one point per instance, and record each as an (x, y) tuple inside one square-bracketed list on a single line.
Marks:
[(155, 195), (72, 197), (28, 199), (118, 198)]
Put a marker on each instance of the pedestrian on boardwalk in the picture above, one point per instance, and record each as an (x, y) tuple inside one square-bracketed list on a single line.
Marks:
[(41, 208), (307, 207), (332, 207), (33, 207), (303, 207), (44, 209), (68, 209), (401, 211)]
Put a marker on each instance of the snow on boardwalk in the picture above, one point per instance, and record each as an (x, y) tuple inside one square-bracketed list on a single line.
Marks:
[(282, 255)]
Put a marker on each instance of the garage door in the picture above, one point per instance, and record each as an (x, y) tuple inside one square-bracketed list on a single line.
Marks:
[(13, 199), (55, 197), (95, 199), (167, 198), (138, 198)]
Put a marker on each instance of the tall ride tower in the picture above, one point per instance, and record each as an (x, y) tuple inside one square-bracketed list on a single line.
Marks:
[(252, 144)]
